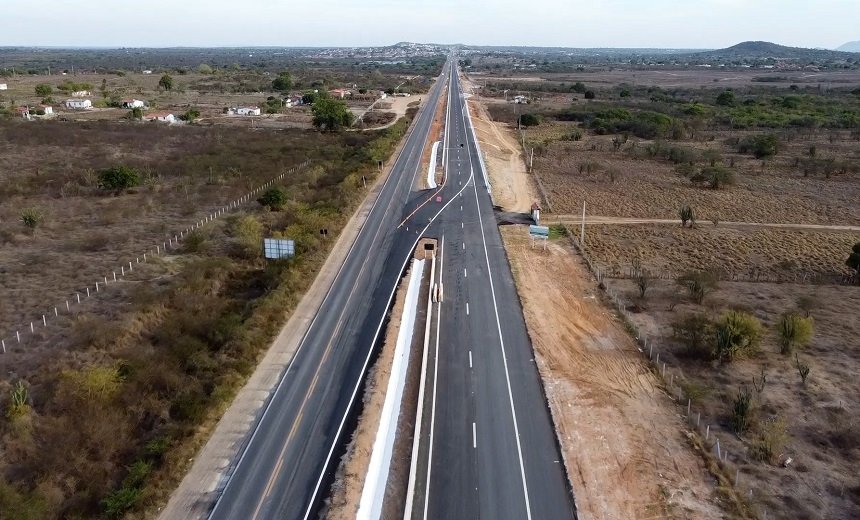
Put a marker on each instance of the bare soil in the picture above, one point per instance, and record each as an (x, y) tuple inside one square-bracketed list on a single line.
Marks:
[(512, 188), (626, 450)]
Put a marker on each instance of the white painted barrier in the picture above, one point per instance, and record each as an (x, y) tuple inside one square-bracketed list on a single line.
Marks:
[(431, 169), (373, 493)]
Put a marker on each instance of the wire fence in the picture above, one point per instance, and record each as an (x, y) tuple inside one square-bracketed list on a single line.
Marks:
[(171, 244), (672, 378)]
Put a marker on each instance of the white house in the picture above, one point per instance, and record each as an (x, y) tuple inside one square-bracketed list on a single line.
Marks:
[(520, 100), (133, 103), (245, 111), (48, 109), (147, 71), (3, 86), (79, 104), (163, 117), (81, 93), (24, 112)]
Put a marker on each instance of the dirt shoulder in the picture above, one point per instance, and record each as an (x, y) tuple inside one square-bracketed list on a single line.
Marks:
[(513, 189), (627, 452)]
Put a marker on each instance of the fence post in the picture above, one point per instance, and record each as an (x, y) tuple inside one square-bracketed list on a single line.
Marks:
[(707, 432), (97, 287), (88, 292), (4, 345), (31, 327), (67, 306), (18, 335), (114, 276), (44, 321), (78, 296), (56, 313)]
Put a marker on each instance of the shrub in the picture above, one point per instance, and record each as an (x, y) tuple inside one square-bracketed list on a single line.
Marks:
[(119, 178), (807, 302), (19, 405), (248, 234), (589, 94), (715, 177), (742, 411), (770, 440), (736, 333), (687, 214), (190, 115), (802, 369), (794, 331), (31, 218), (273, 198), (695, 332), (761, 146), (726, 98), (854, 260)]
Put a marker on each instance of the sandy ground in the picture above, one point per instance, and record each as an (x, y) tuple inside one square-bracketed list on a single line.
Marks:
[(349, 483), (512, 188), (626, 450)]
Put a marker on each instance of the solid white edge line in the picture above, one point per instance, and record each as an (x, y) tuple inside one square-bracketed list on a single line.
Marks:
[(277, 389), (501, 340), (366, 362), (474, 435), (470, 359), (435, 381)]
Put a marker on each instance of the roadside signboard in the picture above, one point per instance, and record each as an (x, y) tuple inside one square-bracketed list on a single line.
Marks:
[(275, 248), (539, 231)]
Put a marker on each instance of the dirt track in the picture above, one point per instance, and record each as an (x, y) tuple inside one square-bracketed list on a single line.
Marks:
[(577, 219)]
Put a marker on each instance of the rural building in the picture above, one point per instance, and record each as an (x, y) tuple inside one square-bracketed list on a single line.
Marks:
[(519, 100), (3, 86), (133, 103), (147, 71), (48, 109), (24, 112), (339, 93), (245, 111), (163, 117), (81, 93), (79, 104), (293, 101)]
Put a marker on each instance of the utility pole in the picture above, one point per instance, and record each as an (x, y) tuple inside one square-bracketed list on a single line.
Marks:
[(582, 227)]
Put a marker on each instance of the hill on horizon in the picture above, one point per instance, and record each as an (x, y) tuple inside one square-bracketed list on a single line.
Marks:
[(850, 47), (765, 50)]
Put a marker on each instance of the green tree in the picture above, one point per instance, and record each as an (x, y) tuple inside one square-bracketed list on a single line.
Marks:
[(43, 90), (726, 98), (716, 177), (330, 115), (248, 233), (529, 120), (735, 334), (589, 94), (119, 178), (31, 218), (794, 331), (165, 83), (274, 198), (190, 115), (309, 98), (283, 82), (204, 68), (579, 88), (136, 113), (854, 261)]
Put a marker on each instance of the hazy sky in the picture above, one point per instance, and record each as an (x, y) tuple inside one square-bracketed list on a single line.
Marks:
[(564, 23)]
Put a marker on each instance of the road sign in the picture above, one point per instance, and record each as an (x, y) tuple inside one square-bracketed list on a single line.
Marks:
[(539, 231), (275, 248)]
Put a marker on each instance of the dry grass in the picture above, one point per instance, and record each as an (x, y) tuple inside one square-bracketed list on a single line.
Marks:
[(766, 251)]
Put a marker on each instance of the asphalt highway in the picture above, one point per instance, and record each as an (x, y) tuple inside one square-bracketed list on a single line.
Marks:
[(494, 451), (284, 468)]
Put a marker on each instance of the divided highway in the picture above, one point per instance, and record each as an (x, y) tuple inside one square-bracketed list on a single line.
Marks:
[(492, 445), (285, 466)]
